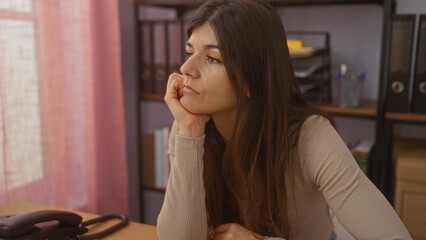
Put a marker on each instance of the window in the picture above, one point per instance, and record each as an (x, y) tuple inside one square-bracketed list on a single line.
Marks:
[(21, 155)]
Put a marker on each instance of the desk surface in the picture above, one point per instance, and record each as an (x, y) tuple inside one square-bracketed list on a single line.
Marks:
[(132, 231)]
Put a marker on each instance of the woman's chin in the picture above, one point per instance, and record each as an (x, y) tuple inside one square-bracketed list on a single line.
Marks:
[(191, 107)]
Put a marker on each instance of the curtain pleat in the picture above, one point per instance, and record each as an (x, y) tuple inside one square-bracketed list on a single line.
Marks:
[(79, 107)]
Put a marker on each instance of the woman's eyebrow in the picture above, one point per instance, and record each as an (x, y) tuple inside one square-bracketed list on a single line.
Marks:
[(207, 46), (210, 46)]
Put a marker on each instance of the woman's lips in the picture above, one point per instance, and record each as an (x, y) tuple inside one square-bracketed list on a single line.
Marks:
[(187, 89)]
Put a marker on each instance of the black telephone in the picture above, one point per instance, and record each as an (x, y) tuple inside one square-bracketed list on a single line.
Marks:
[(53, 225)]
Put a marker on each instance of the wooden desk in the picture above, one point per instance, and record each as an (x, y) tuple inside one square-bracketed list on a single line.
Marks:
[(133, 230)]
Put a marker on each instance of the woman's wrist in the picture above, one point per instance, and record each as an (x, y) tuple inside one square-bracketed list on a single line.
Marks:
[(191, 132)]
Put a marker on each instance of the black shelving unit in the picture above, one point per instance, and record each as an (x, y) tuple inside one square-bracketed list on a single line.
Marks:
[(382, 156)]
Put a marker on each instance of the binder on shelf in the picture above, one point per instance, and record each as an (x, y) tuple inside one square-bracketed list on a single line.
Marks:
[(419, 86), (168, 52), (175, 46), (147, 68), (162, 47), (400, 63)]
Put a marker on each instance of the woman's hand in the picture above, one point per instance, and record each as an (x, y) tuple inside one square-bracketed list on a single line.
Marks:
[(233, 231), (190, 124)]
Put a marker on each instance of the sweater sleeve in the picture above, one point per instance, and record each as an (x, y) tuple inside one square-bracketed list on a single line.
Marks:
[(183, 214), (357, 203)]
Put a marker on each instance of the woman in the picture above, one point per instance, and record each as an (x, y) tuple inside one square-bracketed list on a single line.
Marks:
[(249, 157)]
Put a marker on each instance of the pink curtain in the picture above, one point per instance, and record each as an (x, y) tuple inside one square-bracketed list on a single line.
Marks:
[(62, 137)]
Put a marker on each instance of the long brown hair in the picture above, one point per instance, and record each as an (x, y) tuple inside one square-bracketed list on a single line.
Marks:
[(244, 179)]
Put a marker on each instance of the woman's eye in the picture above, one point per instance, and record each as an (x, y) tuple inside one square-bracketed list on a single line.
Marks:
[(188, 54), (213, 60)]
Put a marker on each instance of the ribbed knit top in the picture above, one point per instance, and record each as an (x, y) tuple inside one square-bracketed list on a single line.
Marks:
[(328, 179)]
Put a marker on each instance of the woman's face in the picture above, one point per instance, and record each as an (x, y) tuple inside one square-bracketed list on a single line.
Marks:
[(208, 89)]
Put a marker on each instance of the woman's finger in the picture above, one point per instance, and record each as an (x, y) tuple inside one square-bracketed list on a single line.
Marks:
[(174, 86), (172, 77), (174, 83)]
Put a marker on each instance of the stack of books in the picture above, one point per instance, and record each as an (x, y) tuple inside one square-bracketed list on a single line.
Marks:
[(156, 167)]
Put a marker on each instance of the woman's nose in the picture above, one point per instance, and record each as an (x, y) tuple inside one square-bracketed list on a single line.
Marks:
[(190, 68)]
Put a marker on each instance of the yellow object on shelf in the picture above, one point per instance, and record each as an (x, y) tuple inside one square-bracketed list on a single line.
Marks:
[(302, 53), (294, 44), (298, 50)]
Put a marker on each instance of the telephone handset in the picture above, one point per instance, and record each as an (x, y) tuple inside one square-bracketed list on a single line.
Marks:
[(19, 225), (53, 225)]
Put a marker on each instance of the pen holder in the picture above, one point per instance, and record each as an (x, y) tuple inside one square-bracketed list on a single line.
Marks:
[(348, 90)]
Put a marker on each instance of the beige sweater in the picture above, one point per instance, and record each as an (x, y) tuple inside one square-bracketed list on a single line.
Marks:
[(329, 178)]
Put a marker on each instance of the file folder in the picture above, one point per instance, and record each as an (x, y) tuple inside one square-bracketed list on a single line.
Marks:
[(419, 86), (400, 63), (147, 57)]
